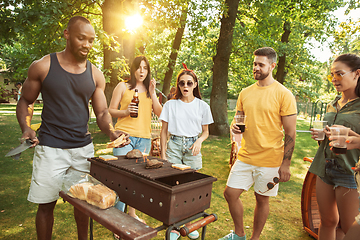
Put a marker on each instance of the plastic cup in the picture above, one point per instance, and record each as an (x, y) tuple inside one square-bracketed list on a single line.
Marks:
[(319, 127), (338, 139), (240, 122)]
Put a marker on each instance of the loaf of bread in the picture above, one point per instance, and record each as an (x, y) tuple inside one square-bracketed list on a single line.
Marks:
[(107, 157), (180, 166), (117, 142), (80, 190), (101, 196)]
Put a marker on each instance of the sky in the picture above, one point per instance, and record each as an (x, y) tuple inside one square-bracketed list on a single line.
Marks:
[(322, 51)]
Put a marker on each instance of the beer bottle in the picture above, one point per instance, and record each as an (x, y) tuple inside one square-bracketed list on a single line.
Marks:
[(136, 101)]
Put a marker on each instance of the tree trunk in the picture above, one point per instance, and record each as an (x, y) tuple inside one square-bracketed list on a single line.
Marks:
[(113, 23), (280, 74), (174, 53), (218, 98)]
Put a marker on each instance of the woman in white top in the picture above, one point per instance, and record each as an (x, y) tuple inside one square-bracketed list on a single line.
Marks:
[(186, 118)]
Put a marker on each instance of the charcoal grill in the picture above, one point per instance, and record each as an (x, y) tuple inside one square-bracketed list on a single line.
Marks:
[(167, 194)]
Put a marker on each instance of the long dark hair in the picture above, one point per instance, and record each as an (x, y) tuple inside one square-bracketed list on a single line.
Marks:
[(134, 66), (196, 90), (353, 62)]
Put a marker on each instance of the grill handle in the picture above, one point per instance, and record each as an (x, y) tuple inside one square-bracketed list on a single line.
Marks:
[(185, 230)]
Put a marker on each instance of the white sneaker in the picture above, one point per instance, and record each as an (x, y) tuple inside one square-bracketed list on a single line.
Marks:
[(194, 235)]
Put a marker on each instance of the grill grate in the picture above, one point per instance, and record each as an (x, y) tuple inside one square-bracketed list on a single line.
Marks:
[(137, 167)]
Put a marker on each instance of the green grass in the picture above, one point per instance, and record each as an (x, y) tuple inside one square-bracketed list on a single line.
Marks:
[(17, 215)]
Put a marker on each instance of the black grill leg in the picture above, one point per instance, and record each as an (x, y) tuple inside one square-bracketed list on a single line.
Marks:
[(91, 229), (203, 233)]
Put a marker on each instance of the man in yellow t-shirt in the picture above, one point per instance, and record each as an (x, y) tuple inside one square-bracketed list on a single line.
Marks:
[(264, 157)]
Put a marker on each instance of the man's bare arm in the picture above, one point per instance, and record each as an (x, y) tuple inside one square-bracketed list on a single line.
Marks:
[(289, 124), (30, 92)]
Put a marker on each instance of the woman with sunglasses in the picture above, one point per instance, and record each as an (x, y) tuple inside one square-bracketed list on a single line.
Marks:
[(186, 118), (336, 191), (139, 128)]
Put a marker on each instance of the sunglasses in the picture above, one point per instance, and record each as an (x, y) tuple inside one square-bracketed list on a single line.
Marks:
[(271, 185), (188, 83), (338, 76)]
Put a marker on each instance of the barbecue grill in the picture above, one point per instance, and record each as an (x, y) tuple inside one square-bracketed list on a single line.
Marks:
[(167, 194)]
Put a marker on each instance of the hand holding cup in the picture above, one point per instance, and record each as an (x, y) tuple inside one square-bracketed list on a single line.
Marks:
[(240, 122), (318, 130), (339, 137)]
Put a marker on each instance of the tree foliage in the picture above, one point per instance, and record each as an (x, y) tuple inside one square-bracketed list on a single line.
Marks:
[(35, 28), (347, 38)]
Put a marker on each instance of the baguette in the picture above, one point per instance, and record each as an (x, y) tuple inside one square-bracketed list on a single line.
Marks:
[(80, 190), (117, 142), (101, 196), (180, 166), (107, 157)]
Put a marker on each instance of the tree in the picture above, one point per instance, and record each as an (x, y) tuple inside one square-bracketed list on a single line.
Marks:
[(218, 98), (174, 51), (288, 27)]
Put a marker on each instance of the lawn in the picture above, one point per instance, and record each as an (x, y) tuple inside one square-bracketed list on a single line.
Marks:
[(17, 215)]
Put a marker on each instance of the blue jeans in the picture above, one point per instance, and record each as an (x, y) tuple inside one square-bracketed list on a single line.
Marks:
[(143, 144)]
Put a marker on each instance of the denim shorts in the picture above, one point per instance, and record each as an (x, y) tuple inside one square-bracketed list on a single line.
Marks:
[(337, 176), (143, 144), (178, 151)]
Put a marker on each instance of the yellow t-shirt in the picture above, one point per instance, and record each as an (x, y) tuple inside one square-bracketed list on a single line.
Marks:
[(140, 126), (262, 143)]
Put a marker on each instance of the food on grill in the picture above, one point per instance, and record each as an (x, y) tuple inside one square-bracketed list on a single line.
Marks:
[(107, 157), (154, 164), (135, 153), (180, 166), (117, 142), (101, 196), (80, 190)]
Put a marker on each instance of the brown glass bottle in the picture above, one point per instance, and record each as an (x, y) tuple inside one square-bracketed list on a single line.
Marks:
[(136, 101)]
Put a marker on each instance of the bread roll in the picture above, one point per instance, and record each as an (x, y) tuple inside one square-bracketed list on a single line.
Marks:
[(101, 196), (80, 190)]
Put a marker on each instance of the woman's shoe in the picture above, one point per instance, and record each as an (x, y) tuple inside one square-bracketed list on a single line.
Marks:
[(174, 235), (194, 235)]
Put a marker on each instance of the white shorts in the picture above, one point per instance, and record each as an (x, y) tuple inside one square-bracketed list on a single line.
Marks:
[(50, 165), (243, 176)]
